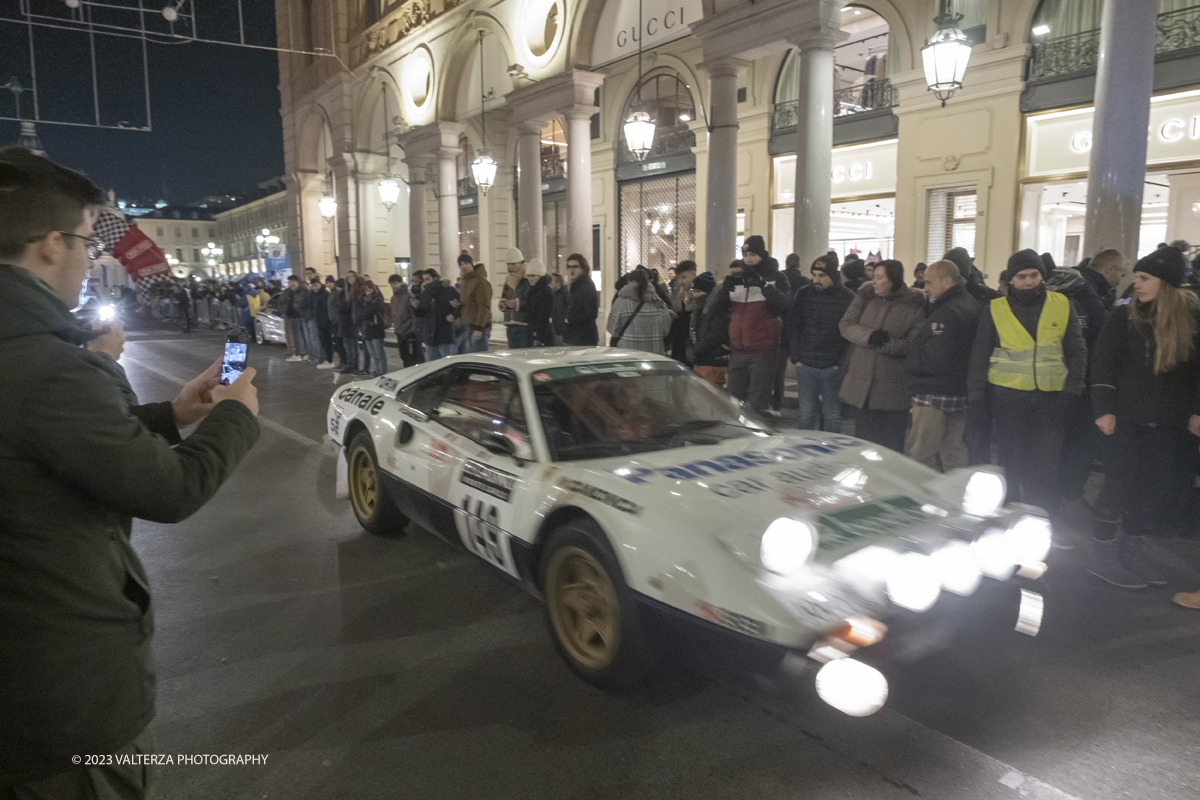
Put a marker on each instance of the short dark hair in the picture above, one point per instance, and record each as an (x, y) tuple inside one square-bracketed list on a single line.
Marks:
[(38, 197), (295, 278), (396, 279), (685, 266), (583, 262), (433, 273), (330, 279)]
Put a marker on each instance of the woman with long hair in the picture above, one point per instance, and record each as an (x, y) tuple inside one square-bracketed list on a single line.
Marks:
[(1145, 378)]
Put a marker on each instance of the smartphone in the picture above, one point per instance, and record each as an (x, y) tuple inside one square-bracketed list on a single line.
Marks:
[(234, 363)]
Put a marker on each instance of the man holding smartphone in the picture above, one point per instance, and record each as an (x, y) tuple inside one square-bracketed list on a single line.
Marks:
[(77, 463)]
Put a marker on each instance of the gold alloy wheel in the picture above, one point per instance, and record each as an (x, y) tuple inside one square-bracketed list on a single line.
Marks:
[(583, 607), (364, 492)]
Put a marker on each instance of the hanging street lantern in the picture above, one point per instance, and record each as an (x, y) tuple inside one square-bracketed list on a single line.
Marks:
[(328, 206), (639, 134), (389, 193), (945, 55), (639, 128), (483, 169)]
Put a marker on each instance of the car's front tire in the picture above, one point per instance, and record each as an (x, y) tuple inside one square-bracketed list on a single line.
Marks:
[(591, 612), (369, 496)]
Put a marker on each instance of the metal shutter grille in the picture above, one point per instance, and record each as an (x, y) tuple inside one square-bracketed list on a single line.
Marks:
[(941, 222), (658, 222)]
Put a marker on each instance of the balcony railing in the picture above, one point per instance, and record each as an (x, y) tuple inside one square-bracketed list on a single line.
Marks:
[(1079, 53), (869, 96), (467, 186)]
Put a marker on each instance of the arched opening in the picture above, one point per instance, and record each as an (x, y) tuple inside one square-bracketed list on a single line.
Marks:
[(385, 241), (657, 195), (554, 205)]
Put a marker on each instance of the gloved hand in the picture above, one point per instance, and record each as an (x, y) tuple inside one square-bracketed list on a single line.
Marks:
[(878, 338), (752, 278), (730, 282)]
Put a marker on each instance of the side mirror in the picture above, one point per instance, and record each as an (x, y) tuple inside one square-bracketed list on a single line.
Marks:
[(497, 442)]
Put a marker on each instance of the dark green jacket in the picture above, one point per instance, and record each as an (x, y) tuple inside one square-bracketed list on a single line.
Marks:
[(77, 463)]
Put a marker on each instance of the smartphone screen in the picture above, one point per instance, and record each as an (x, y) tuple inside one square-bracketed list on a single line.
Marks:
[(235, 362)]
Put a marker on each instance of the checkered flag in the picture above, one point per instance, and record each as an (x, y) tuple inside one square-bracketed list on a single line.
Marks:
[(141, 258)]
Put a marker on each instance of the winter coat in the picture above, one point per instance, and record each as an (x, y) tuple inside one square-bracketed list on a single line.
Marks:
[(648, 328), (981, 292), (940, 353), (1104, 290), (874, 375), (796, 279), (288, 304), (368, 316), (1123, 378), (335, 314), (756, 311), (320, 308), (476, 295), (432, 308), (559, 318), (520, 292), (1087, 304), (583, 306), (709, 333), (77, 464), (679, 337), (403, 321), (540, 303), (302, 303), (345, 304), (987, 340), (814, 336)]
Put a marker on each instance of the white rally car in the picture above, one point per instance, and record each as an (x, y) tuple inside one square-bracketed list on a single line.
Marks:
[(620, 487)]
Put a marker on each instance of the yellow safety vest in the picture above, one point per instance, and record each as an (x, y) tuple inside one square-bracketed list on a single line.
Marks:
[(1020, 362)]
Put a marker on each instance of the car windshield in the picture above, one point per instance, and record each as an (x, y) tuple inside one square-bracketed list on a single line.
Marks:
[(607, 410)]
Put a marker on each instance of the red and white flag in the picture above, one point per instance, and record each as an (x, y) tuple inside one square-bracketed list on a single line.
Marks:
[(140, 256)]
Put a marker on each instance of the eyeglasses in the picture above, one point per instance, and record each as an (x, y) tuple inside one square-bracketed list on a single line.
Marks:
[(95, 247)]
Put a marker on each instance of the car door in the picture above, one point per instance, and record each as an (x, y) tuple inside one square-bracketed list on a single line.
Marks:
[(418, 455), (272, 320), (492, 463)]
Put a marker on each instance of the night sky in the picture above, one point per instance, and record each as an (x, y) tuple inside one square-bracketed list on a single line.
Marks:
[(214, 108)]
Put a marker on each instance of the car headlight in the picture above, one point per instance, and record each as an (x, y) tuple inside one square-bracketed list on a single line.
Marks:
[(996, 556), (108, 311), (984, 494), (852, 687), (787, 545), (913, 582), (957, 568), (1030, 539)]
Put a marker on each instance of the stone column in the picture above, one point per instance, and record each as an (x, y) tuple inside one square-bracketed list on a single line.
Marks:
[(579, 181), (418, 250), (530, 238), (720, 237), (1117, 170), (314, 242), (814, 146), (448, 241)]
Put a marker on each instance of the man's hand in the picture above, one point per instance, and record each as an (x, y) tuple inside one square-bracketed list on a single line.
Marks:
[(111, 342), (194, 400), (455, 304), (477, 335), (449, 318), (242, 390), (1194, 425), (878, 338), (1108, 423)]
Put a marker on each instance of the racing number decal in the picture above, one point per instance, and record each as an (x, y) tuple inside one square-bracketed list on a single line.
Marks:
[(478, 524)]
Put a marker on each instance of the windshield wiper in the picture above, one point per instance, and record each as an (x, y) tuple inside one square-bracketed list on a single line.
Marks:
[(675, 428)]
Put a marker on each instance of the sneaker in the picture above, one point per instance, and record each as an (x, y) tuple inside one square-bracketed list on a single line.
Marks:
[(294, 358), (1138, 558), (325, 365), (1107, 566), (341, 368), (1187, 599)]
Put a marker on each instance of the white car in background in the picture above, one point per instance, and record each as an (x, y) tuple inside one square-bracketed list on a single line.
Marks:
[(269, 325), (623, 490)]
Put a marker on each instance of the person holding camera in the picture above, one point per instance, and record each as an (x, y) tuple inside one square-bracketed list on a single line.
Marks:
[(755, 296), (77, 463)]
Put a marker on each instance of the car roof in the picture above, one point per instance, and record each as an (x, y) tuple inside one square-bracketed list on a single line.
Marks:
[(529, 360)]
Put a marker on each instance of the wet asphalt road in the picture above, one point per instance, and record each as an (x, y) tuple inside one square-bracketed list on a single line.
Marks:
[(368, 667)]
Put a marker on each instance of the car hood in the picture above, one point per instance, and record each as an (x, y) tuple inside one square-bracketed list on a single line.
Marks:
[(735, 489)]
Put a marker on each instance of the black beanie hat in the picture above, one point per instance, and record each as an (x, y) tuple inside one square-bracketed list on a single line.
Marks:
[(830, 262), (1023, 260), (756, 245), (704, 282), (1167, 264), (465, 259)]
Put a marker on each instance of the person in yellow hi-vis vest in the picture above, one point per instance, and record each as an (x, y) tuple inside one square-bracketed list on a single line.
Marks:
[(1029, 355)]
